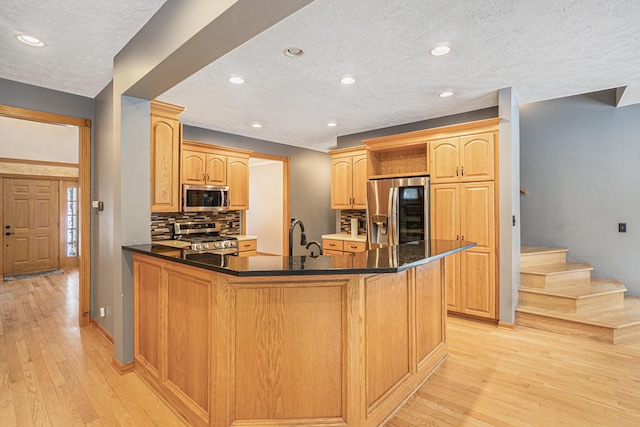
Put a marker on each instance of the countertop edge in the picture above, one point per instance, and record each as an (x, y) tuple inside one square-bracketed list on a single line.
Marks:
[(298, 272), (361, 238)]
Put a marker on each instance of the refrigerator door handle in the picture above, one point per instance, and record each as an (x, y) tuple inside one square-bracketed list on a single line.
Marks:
[(393, 216)]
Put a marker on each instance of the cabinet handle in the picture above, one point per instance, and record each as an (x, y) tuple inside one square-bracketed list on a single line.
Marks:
[(207, 176), (204, 176), (456, 171), (463, 237), (462, 170), (457, 237)]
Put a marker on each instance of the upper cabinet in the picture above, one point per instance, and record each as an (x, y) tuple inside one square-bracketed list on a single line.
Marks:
[(210, 164), (349, 178), (238, 182), (203, 168), (165, 157), (466, 158)]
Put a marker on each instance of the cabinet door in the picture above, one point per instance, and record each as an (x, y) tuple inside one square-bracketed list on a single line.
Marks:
[(216, 169), (193, 167), (359, 193), (477, 157), (444, 160), (165, 146), (478, 284), (445, 225), (341, 183), (238, 182), (477, 221)]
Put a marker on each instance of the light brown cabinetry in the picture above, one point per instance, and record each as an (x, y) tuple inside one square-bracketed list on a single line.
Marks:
[(467, 212), (335, 246), (349, 179), (165, 157), (316, 350), (462, 161), (203, 168), (466, 158), (209, 164), (174, 333), (248, 247), (238, 182)]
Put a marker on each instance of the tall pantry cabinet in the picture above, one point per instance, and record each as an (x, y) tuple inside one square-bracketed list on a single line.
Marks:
[(165, 156), (464, 207)]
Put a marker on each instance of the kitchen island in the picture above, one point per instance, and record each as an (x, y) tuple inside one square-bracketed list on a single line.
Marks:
[(270, 340)]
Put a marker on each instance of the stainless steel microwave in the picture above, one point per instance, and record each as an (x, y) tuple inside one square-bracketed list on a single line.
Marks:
[(205, 198)]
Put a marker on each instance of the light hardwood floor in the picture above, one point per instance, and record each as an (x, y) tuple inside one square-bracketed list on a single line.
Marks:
[(527, 377), (53, 373)]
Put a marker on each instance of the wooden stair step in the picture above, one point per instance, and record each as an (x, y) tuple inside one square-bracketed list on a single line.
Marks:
[(541, 276), (574, 297), (613, 325), (540, 255)]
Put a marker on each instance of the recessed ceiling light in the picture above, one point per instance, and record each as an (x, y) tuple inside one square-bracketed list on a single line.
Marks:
[(348, 80), (29, 39), (443, 49), (236, 80), (256, 125), (332, 124), (446, 94), (293, 52)]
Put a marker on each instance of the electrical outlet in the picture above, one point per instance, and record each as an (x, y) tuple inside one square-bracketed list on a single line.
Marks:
[(622, 227)]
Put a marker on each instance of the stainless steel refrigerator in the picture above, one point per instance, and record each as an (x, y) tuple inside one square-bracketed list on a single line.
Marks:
[(397, 211)]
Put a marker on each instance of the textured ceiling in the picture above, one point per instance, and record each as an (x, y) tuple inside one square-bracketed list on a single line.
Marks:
[(544, 49)]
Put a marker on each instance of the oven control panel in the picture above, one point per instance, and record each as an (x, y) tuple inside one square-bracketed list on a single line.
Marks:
[(222, 244)]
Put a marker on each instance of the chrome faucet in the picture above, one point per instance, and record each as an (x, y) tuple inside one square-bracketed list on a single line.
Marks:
[(303, 237)]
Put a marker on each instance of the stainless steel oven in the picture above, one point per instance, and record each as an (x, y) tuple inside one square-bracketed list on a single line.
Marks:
[(204, 236)]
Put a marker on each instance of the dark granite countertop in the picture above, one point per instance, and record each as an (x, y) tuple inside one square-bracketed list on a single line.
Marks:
[(390, 259)]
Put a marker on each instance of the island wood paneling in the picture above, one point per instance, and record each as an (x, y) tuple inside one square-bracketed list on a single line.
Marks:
[(387, 334), (188, 331), (289, 357), (429, 309), (337, 350), (147, 292)]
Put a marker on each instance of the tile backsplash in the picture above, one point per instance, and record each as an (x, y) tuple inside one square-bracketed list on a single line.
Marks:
[(162, 223), (345, 221)]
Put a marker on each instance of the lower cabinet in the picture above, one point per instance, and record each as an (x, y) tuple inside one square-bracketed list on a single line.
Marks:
[(248, 247), (467, 212), (319, 350), (174, 333), (337, 247)]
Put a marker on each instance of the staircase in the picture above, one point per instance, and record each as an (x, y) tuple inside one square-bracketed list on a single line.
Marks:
[(560, 296)]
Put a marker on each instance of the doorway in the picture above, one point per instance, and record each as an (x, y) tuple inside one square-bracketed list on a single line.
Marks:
[(83, 195), (269, 204)]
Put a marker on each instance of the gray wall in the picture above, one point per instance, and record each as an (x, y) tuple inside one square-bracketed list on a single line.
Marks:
[(580, 159), (102, 244), (40, 99), (356, 138), (310, 177), (509, 192)]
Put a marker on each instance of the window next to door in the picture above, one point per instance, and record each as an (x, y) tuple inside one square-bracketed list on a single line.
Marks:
[(69, 224)]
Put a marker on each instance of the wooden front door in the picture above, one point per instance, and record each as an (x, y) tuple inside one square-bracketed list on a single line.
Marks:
[(30, 233)]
